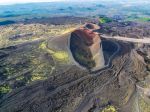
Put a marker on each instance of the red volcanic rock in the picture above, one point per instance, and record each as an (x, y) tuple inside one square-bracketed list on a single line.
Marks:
[(88, 36)]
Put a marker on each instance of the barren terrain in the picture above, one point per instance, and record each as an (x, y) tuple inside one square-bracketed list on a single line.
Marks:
[(39, 74)]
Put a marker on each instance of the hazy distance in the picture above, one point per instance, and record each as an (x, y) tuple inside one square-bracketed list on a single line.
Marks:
[(9, 2)]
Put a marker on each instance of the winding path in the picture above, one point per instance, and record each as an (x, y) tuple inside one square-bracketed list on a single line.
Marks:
[(67, 85), (134, 40)]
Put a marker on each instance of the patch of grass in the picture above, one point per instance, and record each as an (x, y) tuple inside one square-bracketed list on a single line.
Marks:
[(142, 19), (104, 20), (5, 89), (43, 68), (36, 77), (20, 78), (61, 56), (143, 105), (109, 108), (58, 55), (42, 45)]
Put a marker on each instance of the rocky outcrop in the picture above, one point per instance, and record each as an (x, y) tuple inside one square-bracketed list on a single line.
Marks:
[(86, 47)]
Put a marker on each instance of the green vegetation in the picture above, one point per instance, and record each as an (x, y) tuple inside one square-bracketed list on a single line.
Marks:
[(4, 89), (143, 106), (22, 67), (144, 19), (20, 78), (140, 19), (17, 33), (104, 20), (109, 108), (84, 60), (6, 71), (36, 77), (42, 70), (62, 56), (35, 61)]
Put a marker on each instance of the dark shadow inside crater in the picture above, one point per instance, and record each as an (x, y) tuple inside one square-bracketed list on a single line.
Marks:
[(109, 50), (83, 56), (80, 53)]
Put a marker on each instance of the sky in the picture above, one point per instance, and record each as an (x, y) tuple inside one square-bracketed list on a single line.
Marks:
[(5, 2)]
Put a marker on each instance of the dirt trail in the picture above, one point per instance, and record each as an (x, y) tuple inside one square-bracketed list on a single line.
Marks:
[(145, 40), (134, 40)]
